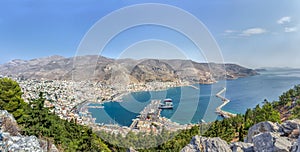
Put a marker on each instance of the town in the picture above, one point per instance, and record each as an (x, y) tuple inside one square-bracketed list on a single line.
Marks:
[(70, 99)]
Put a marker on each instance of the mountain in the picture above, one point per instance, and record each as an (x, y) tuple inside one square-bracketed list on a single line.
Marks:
[(123, 71)]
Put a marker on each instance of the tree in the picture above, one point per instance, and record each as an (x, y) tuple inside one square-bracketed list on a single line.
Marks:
[(241, 133), (10, 97)]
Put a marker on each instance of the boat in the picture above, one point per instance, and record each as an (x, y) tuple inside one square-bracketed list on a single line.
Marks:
[(167, 104), (168, 100)]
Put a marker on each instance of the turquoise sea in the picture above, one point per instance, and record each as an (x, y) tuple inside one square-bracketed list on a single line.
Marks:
[(191, 104)]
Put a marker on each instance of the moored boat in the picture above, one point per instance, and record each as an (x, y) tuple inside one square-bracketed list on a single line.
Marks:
[(167, 104)]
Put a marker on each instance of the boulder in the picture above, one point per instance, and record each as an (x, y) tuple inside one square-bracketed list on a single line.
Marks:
[(271, 142), (296, 146), (205, 144), (261, 127), (131, 150), (282, 144), (263, 142), (289, 128), (27, 143), (242, 147)]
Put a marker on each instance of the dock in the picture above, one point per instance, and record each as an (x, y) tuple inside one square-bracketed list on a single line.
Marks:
[(150, 112), (219, 110)]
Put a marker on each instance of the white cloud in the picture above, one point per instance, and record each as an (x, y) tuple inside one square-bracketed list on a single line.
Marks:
[(253, 31), (290, 29), (229, 31), (284, 20)]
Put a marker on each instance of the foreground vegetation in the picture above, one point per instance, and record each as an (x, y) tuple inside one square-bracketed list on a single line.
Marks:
[(234, 129), (35, 119)]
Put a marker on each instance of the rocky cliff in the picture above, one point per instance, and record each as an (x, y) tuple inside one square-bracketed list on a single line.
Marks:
[(122, 70), (12, 140), (262, 137)]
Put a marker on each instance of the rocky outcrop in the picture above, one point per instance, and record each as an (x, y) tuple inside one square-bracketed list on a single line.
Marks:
[(290, 128), (262, 137), (271, 137), (20, 143), (154, 70), (261, 127), (296, 146), (205, 144), (131, 150), (241, 147), (12, 140), (271, 142)]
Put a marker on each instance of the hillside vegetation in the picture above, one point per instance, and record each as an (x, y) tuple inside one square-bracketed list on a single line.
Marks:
[(35, 119), (233, 129)]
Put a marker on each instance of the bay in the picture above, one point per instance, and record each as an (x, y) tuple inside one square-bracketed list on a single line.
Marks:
[(191, 104)]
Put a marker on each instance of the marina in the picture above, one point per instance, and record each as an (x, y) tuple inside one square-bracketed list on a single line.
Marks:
[(150, 120)]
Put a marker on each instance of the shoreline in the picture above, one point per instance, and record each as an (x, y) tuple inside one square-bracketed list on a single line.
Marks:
[(118, 97)]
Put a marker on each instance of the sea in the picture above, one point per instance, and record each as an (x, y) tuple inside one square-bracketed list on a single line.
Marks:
[(196, 103)]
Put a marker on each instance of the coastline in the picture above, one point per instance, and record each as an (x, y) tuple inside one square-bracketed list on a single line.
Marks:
[(118, 97)]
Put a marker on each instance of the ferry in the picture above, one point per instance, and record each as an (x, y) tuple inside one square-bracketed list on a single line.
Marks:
[(167, 104)]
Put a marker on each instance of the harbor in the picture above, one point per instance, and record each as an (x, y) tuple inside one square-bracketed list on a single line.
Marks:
[(219, 110), (150, 113), (149, 119)]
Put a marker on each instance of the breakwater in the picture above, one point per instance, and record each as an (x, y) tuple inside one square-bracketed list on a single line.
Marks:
[(219, 110), (95, 106)]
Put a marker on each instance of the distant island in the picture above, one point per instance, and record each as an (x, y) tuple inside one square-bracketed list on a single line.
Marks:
[(261, 70)]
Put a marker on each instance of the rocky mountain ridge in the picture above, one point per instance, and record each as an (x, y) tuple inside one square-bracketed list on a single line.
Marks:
[(263, 136), (123, 71)]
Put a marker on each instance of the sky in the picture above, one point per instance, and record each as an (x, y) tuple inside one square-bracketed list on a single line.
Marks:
[(253, 33)]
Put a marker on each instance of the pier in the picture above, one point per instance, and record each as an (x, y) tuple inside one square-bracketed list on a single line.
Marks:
[(150, 113), (219, 110)]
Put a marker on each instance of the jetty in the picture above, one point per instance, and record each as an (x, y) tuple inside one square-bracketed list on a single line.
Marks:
[(219, 110), (98, 107), (192, 86)]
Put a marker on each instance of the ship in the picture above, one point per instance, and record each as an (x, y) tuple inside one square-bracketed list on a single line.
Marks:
[(167, 104)]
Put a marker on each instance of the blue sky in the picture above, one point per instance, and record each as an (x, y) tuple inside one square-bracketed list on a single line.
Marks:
[(253, 33)]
